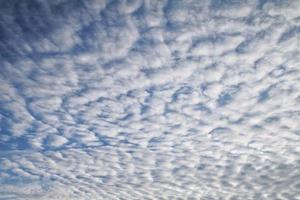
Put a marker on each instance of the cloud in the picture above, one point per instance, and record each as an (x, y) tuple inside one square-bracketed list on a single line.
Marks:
[(149, 99)]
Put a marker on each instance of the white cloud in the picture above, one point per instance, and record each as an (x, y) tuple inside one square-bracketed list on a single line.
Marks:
[(56, 141), (149, 100)]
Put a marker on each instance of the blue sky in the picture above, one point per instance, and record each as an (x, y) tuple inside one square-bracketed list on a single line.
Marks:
[(153, 99)]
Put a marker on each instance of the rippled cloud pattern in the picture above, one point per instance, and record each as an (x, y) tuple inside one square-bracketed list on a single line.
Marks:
[(153, 99)]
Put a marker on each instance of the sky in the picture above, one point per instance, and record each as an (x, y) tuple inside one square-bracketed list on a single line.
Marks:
[(153, 99)]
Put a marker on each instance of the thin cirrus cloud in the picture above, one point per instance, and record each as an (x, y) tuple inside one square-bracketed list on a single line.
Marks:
[(149, 99)]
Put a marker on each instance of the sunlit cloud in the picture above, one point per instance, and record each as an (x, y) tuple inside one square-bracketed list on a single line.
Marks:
[(149, 99)]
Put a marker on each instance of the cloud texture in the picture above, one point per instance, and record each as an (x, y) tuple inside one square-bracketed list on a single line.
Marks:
[(149, 99)]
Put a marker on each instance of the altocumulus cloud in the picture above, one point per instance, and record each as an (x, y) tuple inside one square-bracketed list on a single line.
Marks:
[(170, 99)]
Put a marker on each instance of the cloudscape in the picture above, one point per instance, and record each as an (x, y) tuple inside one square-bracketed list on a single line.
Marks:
[(153, 99)]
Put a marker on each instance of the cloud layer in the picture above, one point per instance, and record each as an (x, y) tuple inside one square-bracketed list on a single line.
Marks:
[(150, 99)]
